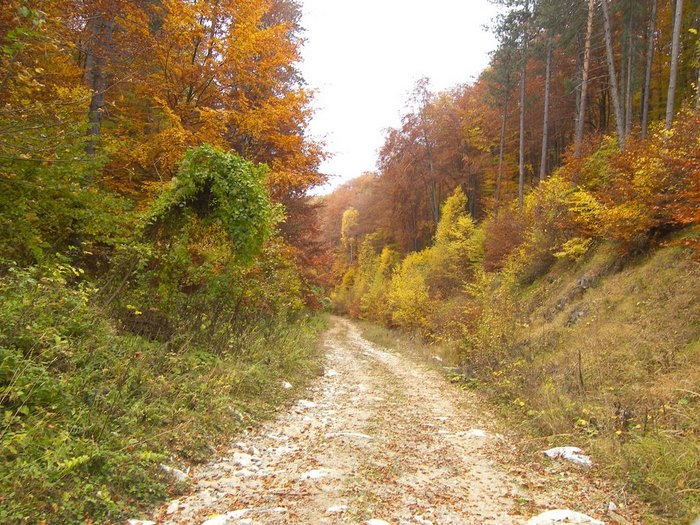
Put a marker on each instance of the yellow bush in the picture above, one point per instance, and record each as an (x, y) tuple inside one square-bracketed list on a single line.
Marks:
[(373, 304), (409, 298), (458, 246)]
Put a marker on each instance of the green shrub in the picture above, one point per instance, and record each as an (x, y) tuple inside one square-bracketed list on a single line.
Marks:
[(88, 414)]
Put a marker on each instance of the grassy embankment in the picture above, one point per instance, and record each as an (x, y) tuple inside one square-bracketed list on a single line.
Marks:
[(91, 412), (606, 355)]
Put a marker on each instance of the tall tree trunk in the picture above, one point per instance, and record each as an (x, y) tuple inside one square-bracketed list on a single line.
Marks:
[(422, 95), (614, 92), (545, 124), (697, 63), (648, 68), (624, 54), (521, 153), (473, 202), (675, 52), (101, 30), (629, 83), (434, 204), (434, 201), (523, 79), (581, 118), (502, 147)]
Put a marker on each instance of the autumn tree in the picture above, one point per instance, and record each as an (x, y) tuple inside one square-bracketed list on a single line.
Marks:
[(348, 232), (675, 52)]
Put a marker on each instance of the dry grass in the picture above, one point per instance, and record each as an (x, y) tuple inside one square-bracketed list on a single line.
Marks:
[(617, 367)]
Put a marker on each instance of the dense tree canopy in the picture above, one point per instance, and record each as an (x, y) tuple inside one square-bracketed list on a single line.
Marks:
[(586, 74), (135, 84)]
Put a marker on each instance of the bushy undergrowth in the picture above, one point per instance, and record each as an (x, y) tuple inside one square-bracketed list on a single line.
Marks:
[(146, 340), (89, 413), (611, 368)]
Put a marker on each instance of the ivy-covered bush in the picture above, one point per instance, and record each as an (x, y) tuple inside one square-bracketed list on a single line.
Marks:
[(227, 193)]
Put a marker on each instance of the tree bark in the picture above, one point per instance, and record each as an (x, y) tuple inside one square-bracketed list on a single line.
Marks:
[(521, 152), (697, 63), (101, 31), (434, 204), (614, 92), (580, 120), (523, 78), (629, 84), (474, 193), (648, 69), (675, 52), (502, 147), (545, 124), (624, 54)]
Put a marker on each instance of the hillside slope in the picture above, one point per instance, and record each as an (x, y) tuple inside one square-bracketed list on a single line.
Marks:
[(608, 352)]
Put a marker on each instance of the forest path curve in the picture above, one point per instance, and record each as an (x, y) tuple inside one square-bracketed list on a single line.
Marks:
[(379, 437)]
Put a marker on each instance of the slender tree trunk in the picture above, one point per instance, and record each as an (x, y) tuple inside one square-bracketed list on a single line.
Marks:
[(648, 69), (434, 200), (675, 52), (101, 31), (523, 79), (472, 176), (502, 147), (614, 92), (545, 124), (624, 54), (580, 121), (697, 63), (629, 84), (434, 205), (424, 99), (521, 154)]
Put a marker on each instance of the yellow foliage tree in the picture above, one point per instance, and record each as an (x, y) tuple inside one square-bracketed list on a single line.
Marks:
[(409, 294), (457, 247), (373, 304)]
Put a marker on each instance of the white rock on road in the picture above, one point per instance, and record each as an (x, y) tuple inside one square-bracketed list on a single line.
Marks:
[(316, 474), (558, 517), (176, 473), (337, 509), (476, 433), (572, 454)]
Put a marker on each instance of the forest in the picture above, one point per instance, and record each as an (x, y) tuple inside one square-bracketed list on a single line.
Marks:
[(542, 223), (164, 265), (156, 256)]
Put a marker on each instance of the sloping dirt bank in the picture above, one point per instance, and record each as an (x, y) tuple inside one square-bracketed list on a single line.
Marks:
[(380, 437)]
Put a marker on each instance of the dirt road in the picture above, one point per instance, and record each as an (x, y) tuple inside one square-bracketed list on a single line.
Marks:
[(379, 437)]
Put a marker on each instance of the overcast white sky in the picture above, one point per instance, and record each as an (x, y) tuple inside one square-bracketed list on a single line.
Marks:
[(364, 56)]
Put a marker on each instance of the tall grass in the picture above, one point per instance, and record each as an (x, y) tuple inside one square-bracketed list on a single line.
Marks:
[(90, 413)]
